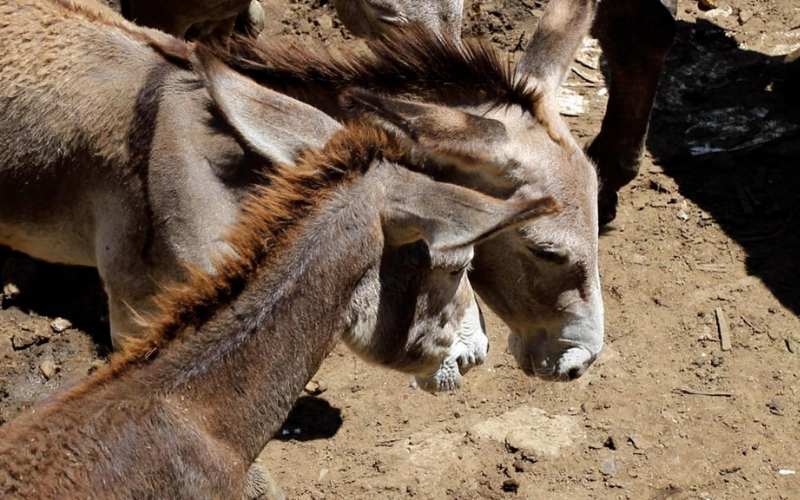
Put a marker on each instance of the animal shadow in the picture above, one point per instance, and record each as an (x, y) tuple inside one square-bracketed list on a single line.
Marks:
[(311, 418), (726, 127), (71, 292)]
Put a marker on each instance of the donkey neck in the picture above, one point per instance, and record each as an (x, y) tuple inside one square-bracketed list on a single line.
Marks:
[(242, 370)]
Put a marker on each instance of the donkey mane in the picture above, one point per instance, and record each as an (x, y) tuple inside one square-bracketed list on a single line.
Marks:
[(414, 62), (269, 220)]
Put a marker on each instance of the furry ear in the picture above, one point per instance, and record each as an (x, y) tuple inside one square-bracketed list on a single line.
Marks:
[(274, 125), (550, 52), (449, 135), (448, 216)]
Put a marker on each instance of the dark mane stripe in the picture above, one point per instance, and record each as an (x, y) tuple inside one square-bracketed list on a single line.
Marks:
[(415, 62), (269, 222)]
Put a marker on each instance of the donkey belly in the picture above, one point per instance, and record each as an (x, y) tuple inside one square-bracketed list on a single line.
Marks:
[(46, 220), (49, 243)]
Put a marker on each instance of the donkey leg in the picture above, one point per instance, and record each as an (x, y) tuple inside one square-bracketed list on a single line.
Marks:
[(124, 317), (635, 36), (261, 486), (130, 286)]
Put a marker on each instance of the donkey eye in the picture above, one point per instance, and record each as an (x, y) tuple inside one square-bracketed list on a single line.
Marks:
[(552, 256), (456, 272)]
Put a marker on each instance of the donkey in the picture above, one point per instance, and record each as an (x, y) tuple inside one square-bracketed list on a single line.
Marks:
[(635, 36), (139, 168), (481, 124), (139, 206), (347, 240)]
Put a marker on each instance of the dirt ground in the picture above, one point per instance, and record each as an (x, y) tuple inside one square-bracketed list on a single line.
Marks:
[(706, 238)]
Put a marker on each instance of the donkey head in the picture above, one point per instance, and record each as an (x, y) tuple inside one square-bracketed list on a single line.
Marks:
[(541, 279), (415, 312)]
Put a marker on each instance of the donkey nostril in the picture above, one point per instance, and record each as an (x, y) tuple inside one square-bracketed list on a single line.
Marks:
[(574, 373)]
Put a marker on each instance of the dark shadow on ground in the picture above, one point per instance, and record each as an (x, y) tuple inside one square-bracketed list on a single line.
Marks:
[(311, 418), (716, 97), (51, 290)]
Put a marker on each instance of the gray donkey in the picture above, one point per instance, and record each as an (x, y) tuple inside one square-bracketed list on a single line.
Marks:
[(187, 157), (635, 36), (122, 153), (481, 122)]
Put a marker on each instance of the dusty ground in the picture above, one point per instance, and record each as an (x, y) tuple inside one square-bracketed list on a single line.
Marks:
[(708, 233)]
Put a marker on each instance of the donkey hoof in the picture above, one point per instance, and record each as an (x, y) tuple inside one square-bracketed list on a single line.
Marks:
[(261, 486)]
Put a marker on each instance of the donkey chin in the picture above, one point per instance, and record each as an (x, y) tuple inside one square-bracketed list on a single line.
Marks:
[(557, 359), (470, 348)]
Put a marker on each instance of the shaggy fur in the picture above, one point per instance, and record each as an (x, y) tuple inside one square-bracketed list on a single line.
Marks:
[(185, 412), (498, 123)]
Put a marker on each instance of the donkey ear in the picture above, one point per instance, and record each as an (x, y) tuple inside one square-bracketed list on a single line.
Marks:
[(448, 135), (276, 126), (552, 48), (449, 216)]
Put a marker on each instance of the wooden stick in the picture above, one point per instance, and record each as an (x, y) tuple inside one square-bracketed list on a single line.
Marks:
[(724, 332), (751, 325), (705, 393)]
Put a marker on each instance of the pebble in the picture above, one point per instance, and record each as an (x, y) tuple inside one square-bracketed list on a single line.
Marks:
[(744, 16), (325, 22), (315, 387), (11, 291), (60, 324), (707, 4), (48, 368), (610, 467), (27, 338)]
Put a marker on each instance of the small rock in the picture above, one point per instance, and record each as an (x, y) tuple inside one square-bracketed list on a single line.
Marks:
[(315, 387), (60, 324), (717, 360), (638, 258), (11, 291), (48, 368), (775, 407), (27, 338), (639, 442), (744, 16), (791, 345), (707, 4), (325, 22), (610, 467)]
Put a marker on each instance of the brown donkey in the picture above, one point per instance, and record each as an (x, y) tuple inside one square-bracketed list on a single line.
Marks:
[(348, 240), (480, 122)]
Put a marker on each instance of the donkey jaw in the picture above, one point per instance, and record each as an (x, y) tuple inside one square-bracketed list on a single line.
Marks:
[(469, 349)]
